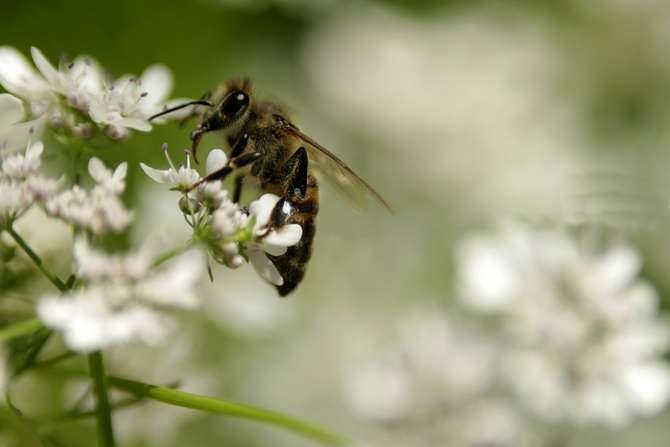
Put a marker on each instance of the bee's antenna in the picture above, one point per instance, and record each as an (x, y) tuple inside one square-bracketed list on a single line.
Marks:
[(200, 102)]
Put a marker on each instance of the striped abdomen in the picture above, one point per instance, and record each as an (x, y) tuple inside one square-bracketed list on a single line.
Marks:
[(292, 264)]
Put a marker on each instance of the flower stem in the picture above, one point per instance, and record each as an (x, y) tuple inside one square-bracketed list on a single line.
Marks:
[(55, 280), (211, 405), (19, 329), (103, 411), (167, 255)]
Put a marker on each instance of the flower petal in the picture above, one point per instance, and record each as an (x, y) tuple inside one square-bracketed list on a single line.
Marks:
[(48, 71), (88, 73), (264, 267), (133, 123), (157, 175), (11, 110), (120, 172), (17, 136), (262, 208), (97, 169), (34, 150), (157, 82), (285, 236), (17, 75), (216, 159)]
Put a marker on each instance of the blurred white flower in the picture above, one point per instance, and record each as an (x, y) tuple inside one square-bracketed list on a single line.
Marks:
[(21, 184), (130, 101), (428, 384), (14, 134), (59, 95), (123, 299), (17, 76), (99, 210), (583, 340)]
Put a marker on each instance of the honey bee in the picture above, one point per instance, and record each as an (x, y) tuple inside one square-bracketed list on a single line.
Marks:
[(268, 147)]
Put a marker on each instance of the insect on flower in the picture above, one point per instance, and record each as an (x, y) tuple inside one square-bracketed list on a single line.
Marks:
[(268, 148)]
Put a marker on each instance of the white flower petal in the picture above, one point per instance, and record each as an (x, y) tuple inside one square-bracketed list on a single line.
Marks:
[(17, 136), (88, 74), (120, 172), (34, 150), (97, 169), (264, 267), (11, 110), (216, 159), (18, 76), (285, 236), (44, 66), (262, 209), (133, 123), (157, 83), (157, 175)]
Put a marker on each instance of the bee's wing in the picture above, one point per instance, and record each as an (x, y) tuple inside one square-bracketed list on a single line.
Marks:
[(341, 175)]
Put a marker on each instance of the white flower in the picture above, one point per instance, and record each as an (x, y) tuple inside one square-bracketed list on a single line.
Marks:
[(61, 94), (17, 76), (273, 241), (14, 134), (122, 298), (583, 341), (130, 101), (99, 210), (19, 167), (108, 181), (79, 81), (184, 176), (21, 185)]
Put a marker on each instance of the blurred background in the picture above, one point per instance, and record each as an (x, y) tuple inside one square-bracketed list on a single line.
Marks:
[(462, 114)]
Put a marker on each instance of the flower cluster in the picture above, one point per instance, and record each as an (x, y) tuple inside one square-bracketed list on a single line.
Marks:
[(582, 338), (121, 299), (232, 234), (77, 97), (99, 210), (21, 184)]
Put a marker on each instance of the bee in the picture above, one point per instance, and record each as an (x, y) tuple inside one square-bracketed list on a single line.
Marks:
[(266, 146)]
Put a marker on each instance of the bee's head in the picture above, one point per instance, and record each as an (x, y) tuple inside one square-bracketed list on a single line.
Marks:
[(227, 115)]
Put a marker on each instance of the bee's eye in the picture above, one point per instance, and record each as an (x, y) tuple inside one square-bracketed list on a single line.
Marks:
[(235, 103)]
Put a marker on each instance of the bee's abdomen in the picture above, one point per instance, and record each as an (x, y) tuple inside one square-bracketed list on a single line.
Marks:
[(292, 264)]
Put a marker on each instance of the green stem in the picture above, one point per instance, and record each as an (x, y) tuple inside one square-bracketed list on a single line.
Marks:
[(19, 329), (55, 280), (167, 255), (104, 414), (211, 405)]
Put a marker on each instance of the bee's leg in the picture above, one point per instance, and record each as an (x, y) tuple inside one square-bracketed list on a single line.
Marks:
[(237, 188), (221, 174), (240, 146), (294, 172)]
